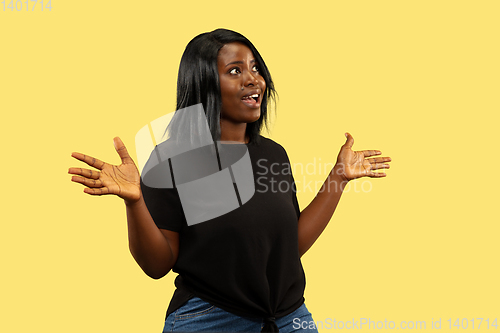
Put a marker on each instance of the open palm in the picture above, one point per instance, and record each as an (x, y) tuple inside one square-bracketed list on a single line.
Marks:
[(356, 164), (122, 180)]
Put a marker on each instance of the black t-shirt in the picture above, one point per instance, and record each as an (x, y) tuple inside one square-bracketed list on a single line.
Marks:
[(246, 261)]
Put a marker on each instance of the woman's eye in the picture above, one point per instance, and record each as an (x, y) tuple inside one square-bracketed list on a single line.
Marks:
[(236, 70)]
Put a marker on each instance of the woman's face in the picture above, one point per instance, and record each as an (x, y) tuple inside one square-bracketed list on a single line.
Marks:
[(238, 69)]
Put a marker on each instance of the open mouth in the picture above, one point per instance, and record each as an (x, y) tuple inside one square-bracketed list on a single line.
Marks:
[(252, 101), (249, 98)]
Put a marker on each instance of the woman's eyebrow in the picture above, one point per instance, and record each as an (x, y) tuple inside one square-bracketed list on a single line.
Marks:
[(239, 62)]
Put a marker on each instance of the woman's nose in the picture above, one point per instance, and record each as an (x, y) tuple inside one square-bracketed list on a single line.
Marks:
[(251, 79)]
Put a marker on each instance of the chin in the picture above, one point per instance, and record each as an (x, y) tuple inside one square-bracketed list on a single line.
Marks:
[(253, 119)]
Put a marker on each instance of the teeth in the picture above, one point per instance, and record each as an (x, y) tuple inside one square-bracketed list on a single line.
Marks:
[(254, 96)]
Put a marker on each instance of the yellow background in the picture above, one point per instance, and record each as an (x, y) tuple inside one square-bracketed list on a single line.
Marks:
[(418, 80)]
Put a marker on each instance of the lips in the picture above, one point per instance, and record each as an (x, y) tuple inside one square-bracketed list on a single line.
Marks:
[(252, 99), (255, 97)]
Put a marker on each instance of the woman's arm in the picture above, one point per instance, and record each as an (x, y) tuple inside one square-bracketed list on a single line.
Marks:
[(350, 165), (153, 249), (315, 217)]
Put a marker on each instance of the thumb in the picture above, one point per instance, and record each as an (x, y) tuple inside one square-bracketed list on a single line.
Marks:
[(122, 150), (350, 140)]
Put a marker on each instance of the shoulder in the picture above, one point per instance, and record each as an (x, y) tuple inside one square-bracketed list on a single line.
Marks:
[(270, 143), (272, 147)]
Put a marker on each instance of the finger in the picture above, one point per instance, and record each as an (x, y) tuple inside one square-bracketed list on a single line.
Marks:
[(379, 166), (93, 174), (97, 191), (368, 153), (93, 162), (350, 140), (122, 151), (379, 160), (86, 181), (376, 174)]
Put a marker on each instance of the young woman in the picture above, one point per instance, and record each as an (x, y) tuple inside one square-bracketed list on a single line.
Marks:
[(241, 271)]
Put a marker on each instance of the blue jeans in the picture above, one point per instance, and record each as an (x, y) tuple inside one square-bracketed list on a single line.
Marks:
[(199, 316)]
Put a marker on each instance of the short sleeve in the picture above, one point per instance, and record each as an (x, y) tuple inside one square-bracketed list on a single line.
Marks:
[(294, 197), (165, 207), (292, 181)]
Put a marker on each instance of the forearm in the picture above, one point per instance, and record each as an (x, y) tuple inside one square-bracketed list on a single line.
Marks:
[(315, 217), (147, 244)]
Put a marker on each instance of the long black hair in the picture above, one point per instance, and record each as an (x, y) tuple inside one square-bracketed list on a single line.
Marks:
[(198, 82)]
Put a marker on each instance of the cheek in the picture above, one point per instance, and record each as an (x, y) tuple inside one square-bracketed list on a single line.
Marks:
[(263, 84), (227, 90), (228, 94)]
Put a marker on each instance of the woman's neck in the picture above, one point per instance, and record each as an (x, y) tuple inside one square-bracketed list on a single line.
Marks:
[(233, 132)]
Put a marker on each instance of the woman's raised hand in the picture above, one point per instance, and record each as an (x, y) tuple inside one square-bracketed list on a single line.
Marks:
[(122, 180), (355, 164)]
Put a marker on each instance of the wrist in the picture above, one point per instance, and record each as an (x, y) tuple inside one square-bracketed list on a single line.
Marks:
[(131, 203), (338, 174)]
